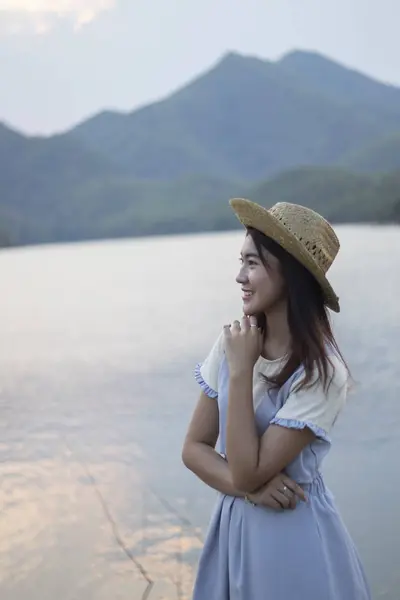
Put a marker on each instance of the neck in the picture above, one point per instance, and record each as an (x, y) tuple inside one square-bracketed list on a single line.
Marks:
[(278, 339)]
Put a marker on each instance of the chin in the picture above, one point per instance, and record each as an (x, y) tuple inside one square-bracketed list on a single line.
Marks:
[(250, 310)]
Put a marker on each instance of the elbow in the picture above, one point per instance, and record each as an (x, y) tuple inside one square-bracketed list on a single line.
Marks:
[(187, 454)]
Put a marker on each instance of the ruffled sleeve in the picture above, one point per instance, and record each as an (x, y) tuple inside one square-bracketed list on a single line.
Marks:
[(207, 372), (315, 407)]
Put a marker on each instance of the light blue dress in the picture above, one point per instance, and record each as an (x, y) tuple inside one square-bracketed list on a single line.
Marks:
[(256, 553)]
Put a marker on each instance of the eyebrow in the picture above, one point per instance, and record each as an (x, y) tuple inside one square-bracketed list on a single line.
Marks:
[(248, 255)]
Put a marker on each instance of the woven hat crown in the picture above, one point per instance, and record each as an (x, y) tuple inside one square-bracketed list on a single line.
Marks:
[(311, 230)]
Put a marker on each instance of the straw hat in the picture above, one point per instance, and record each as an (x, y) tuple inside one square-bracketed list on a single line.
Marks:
[(303, 233)]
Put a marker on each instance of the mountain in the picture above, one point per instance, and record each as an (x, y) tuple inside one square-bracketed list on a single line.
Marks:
[(37, 174), (249, 119), (338, 82), (34, 170), (301, 129), (55, 189), (340, 195), (382, 155)]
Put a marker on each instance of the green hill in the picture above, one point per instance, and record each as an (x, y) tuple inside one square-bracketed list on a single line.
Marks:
[(382, 155), (341, 196), (302, 129), (247, 118), (122, 207)]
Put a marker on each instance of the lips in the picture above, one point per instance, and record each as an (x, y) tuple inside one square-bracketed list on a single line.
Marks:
[(247, 294)]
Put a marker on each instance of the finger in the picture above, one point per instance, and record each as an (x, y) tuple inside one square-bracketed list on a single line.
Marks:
[(272, 503), (295, 488), (269, 500), (284, 499), (245, 323), (236, 325), (293, 503), (286, 492), (281, 498), (227, 330), (253, 321)]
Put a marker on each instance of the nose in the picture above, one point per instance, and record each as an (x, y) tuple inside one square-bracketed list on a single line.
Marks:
[(241, 277)]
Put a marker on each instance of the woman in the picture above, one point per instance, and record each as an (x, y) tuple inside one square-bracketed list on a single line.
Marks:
[(273, 386)]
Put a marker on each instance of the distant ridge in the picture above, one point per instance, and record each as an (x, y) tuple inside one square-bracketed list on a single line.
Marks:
[(303, 128)]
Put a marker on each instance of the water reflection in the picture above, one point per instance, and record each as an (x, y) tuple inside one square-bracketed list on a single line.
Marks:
[(80, 515), (80, 531), (96, 389)]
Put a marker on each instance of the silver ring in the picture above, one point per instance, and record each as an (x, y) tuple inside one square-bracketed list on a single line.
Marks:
[(284, 488)]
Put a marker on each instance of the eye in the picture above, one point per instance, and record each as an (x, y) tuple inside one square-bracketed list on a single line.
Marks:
[(252, 263)]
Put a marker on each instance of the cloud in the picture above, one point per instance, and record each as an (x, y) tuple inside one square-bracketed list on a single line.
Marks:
[(40, 16)]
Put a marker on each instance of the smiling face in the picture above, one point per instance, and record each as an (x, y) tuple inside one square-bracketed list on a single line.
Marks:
[(261, 281)]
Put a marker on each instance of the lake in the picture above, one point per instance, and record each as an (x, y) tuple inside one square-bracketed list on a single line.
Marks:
[(98, 346)]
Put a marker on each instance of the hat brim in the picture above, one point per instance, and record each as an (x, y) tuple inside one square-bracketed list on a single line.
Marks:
[(253, 215)]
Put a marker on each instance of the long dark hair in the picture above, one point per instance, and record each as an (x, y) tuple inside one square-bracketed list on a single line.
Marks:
[(313, 340)]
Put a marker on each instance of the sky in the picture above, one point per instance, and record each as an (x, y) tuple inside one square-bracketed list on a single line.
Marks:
[(61, 61)]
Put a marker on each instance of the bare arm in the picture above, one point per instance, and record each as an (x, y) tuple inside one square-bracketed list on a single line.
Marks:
[(253, 461), (199, 454)]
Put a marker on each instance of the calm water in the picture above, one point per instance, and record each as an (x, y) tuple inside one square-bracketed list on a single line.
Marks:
[(98, 344)]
